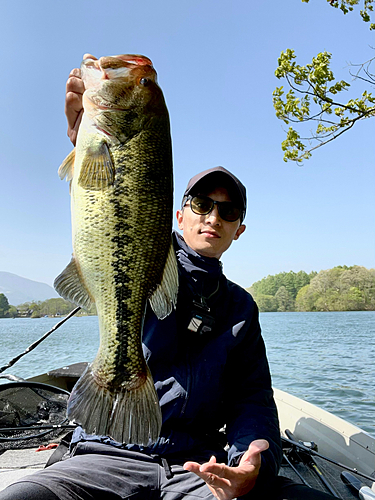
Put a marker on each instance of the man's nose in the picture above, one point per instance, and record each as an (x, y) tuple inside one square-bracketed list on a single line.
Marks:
[(213, 217)]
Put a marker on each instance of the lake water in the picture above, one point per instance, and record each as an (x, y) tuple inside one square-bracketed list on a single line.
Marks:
[(327, 359)]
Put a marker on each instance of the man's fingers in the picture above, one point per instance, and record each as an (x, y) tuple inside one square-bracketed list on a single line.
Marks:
[(214, 468), (252, 455), (73, 107), (213, 480), (73, 100), (211, 472), (259, 445), (192, 466), (75, 72), (75, 84), (196, 468), (216, 482)]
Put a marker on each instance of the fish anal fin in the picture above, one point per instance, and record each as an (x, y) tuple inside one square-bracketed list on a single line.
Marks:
[(69, 285), (164, 298), (128, 415), (97, 170)]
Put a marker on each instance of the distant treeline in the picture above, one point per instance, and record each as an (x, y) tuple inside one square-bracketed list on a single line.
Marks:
[(341, 288), (51, 307), (5, 307)]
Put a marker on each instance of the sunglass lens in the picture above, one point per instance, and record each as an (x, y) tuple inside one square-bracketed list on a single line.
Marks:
[(229, 212), (201, 205)]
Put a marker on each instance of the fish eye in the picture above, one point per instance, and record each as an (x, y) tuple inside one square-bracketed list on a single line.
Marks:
[(144, 81)]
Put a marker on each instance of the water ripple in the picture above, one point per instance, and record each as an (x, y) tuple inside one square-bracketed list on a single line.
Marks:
[(327, 359)]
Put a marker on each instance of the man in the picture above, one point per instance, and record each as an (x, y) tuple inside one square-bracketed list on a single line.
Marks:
[(210, 369)]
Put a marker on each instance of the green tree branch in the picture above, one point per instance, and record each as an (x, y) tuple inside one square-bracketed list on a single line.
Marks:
[(348, 6), (314, 85)]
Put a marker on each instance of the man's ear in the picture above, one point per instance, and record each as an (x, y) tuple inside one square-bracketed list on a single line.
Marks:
[(180, 219), (239, 231)]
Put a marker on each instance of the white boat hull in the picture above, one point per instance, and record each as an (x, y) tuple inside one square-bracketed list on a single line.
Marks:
[(336, 438)]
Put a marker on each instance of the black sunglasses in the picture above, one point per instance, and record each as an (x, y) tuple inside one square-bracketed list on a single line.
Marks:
[(203, 205)]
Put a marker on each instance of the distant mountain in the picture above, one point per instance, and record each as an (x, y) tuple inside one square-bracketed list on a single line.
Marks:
[(19, 290)]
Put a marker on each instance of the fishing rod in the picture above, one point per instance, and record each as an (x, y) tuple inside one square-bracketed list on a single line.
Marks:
[(361, 489), (310, 461), (43, 430), (38, 427), (313, 452), (37, 342), (24, 438), (32, 436), (303, 480)]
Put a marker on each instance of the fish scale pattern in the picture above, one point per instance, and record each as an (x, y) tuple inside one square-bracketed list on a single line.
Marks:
[(121, 246)]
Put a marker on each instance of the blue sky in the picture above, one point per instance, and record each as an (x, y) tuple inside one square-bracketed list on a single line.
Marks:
[(215, 61)]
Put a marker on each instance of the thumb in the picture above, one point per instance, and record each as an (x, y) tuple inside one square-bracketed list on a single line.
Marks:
[(252, 454)]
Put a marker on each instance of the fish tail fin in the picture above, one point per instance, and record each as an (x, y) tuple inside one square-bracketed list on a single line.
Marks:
[(128, 415)]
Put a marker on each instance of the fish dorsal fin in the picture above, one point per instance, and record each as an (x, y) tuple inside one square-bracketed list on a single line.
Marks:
[(164, 297), (67, 167), (69, 285), (97, 170)]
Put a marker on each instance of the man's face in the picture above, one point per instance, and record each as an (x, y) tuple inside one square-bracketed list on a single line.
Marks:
[(209, 235)]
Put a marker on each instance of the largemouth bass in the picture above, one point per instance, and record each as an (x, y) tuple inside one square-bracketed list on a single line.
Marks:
[(121, 205)]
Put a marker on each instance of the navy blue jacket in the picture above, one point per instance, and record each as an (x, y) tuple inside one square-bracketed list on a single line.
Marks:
[(211, 380)]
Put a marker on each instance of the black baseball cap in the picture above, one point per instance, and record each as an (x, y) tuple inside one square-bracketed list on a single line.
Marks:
[(222, 176)]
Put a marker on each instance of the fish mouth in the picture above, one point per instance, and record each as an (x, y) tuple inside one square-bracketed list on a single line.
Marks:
[(126, 68), (116, 66)]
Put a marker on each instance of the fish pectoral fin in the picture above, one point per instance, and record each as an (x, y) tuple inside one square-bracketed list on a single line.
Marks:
[(97, 169), (69, 285), (66, 169), (164, 297)]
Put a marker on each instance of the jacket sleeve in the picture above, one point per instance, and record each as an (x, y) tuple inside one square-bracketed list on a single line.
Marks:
[(250, 407)]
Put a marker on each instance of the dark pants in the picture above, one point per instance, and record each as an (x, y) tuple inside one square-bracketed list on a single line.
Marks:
[(123, 474)]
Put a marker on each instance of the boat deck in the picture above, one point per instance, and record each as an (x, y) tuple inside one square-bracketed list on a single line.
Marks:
[(15, 464), (22, 457), (318, 474)]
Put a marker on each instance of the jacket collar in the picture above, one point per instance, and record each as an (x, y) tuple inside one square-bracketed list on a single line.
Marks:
[(195, 265)]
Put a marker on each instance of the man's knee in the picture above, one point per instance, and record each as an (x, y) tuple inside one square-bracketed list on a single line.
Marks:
[(27, 491)]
